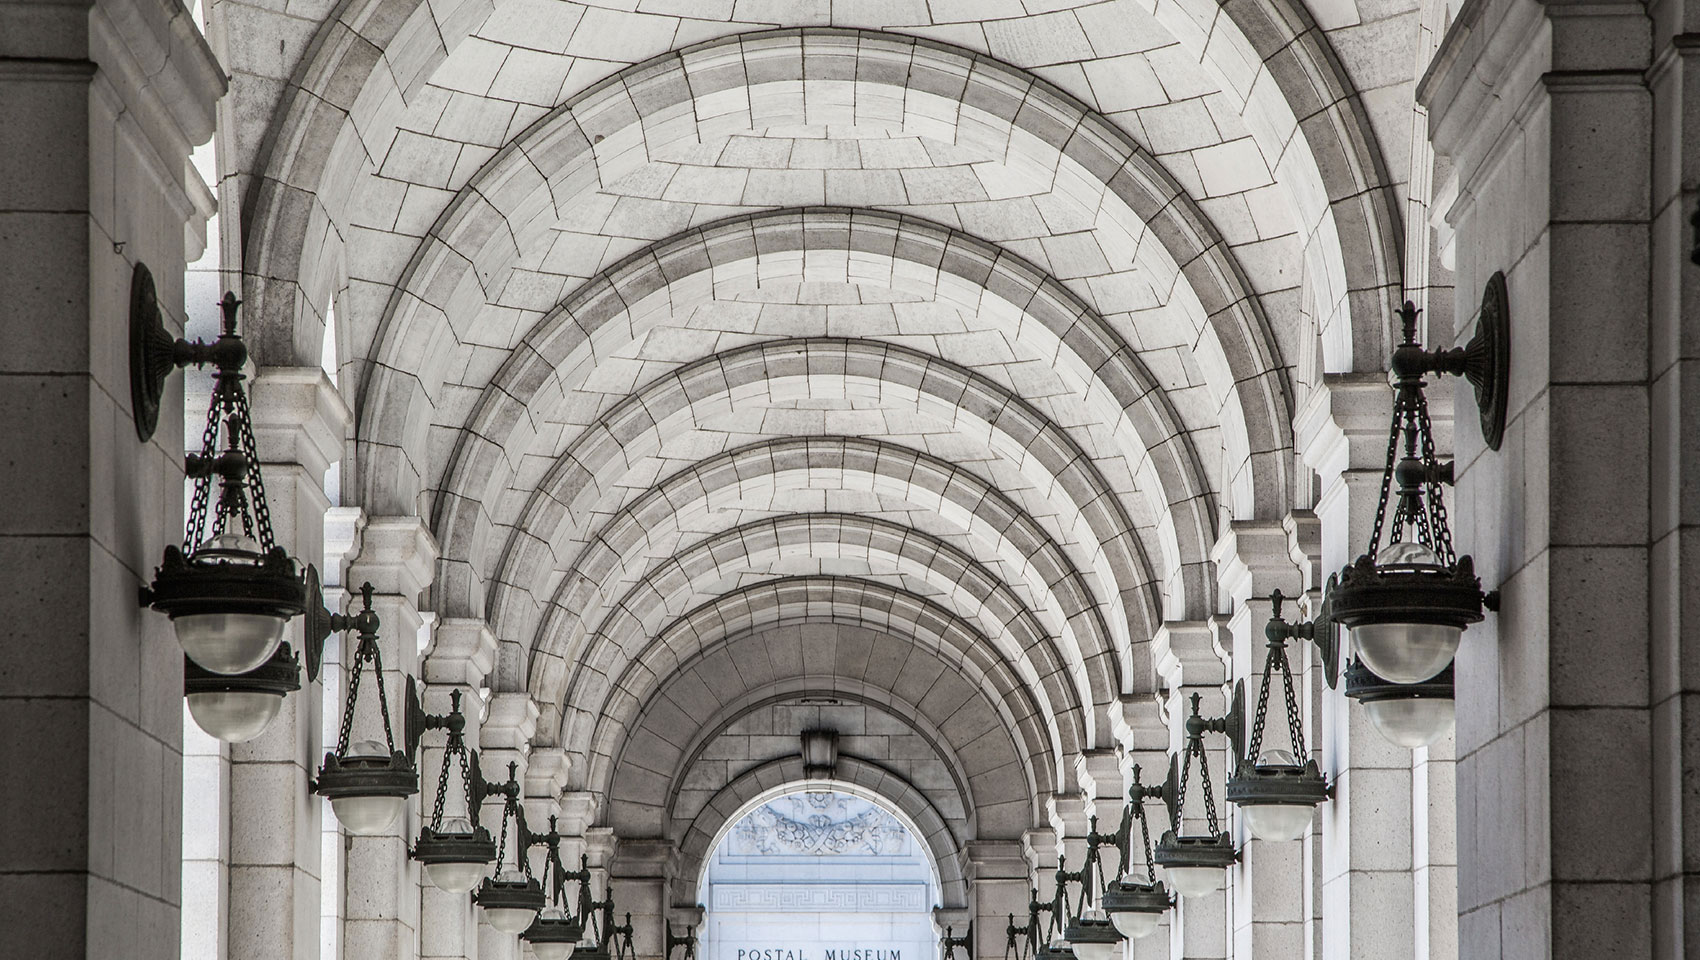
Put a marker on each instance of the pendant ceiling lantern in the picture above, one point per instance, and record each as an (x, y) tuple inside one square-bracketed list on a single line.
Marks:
[(1407, 603)]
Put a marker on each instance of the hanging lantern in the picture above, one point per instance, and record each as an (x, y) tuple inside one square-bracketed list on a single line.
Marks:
[(1196, 865), (456, 851), (1135, 907), (1088, 931), (555, 934), (1274, 790), (237, 708), (1409, 715), (1407, 604), (368, 782), (230, 589), (513, 898)]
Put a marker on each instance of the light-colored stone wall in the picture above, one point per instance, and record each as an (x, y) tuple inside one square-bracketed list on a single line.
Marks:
[(100, 105)]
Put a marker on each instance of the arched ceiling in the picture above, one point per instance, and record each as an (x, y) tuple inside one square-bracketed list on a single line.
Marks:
[(918, 366)]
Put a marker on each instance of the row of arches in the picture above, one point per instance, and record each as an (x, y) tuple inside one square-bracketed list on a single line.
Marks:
[(823, 362)]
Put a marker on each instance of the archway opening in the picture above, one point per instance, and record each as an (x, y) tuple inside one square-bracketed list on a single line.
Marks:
[(819, 874)]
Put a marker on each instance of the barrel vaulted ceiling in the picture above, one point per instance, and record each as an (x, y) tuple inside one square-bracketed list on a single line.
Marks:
[(893, 357)]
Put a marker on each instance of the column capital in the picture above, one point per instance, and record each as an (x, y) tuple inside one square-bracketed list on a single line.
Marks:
[(1343, 424), (1304, 546), (509, 723), (1068, 814), (463, 652), (546, 776), (578, 812), (397, 554), (644, 858), (1099, 774), (1187, 653), (299, 417), (1252, 558), (1039, 848), (996, 860), (1137, 723)]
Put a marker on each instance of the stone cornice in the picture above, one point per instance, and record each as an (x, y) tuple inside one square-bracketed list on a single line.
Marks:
[(397, 554), (299, 417)]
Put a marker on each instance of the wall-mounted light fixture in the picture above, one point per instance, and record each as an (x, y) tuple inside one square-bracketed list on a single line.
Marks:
[(230, 589), (1197, 864), (1274, 789), (1136, 906), (513, 898), (555, 934), (456, 851), (949, 942), (368, 782), (1407, 604)]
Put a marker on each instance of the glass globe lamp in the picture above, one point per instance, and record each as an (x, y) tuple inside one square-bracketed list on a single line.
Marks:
[(1195, 881), (239, 708), (1407, 651), (368, 787), (234, 716), (554, 934), (1093, 938), (511, 901), (457, 856), (1135, 908), (1409, 715), (1277, 794), (1412, 723), (1194, 866), (228, 601)]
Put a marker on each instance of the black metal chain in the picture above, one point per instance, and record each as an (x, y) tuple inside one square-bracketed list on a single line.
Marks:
[(1195, 747), (442, 787), (502, 844), (466, 784), (383, 699), (1295, 727), (1209, 793), (1255, 746), (367, 650), (350, 701), (1387, 477), (1276, 661), (194, 528), (262, 513), (1145, 834), (1437, 506)]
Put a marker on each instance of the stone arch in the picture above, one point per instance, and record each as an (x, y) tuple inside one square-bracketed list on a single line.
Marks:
[(1269, 54), (896, 626), (1068, 682), (856, 777), (944, 489), (483, 230), (573, 482)]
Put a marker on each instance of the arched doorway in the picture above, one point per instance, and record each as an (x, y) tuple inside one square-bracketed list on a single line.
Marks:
[(819, 875)]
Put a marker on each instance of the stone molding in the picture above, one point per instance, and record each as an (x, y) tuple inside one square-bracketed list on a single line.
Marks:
[(298, 417), (398, 555)]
